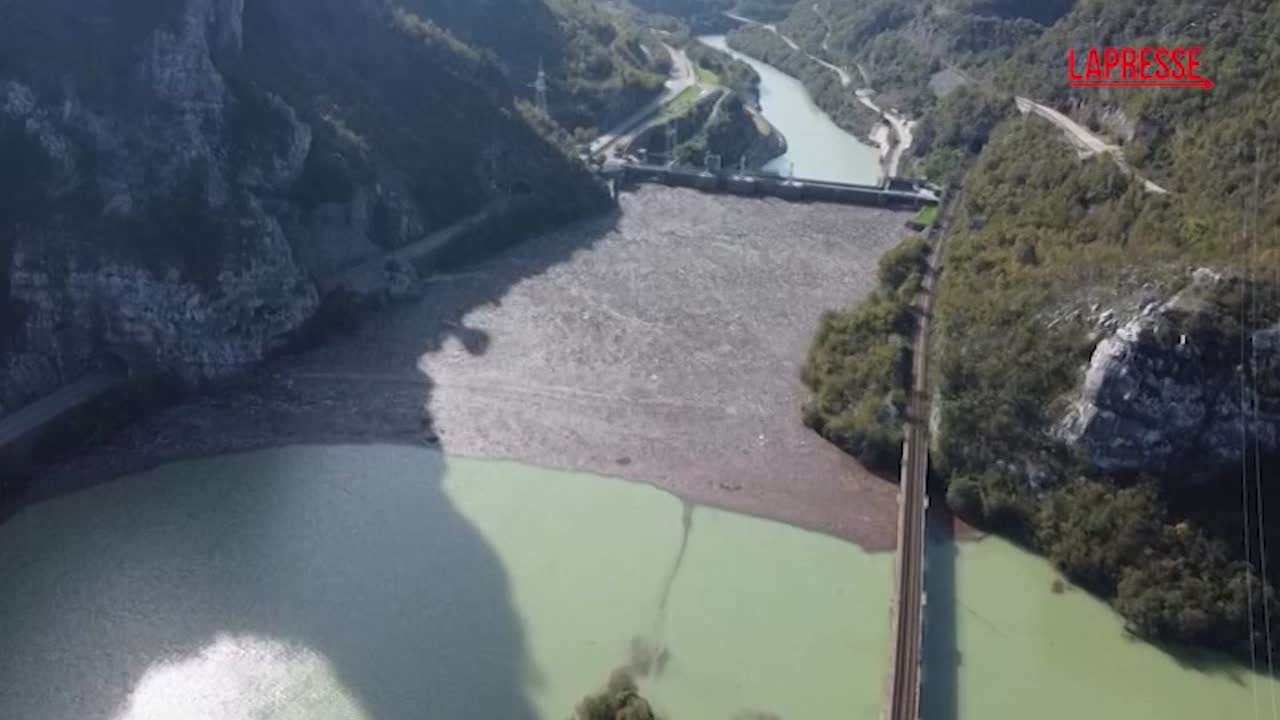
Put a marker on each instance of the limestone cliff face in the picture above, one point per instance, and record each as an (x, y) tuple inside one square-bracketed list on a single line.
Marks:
[(1166, 393), (181, 176), (739, 132), (82, 286)]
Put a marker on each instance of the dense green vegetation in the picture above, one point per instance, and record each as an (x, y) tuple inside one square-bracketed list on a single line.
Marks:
[(951, 136), (600, 64), (737, 135), (900, 44), (733, 74), (364, 119), (1168, 579), (1038, 236), (1037, 231), (699, 16), (859, 366)]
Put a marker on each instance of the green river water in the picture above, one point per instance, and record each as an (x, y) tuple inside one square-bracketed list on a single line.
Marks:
[(369, 582), (817, 148)]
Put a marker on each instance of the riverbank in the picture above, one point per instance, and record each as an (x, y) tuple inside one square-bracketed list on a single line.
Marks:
[(832, 90), (660, 344), (822, 149)]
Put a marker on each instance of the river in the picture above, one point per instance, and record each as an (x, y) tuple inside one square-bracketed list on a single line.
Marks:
[(816, 147)]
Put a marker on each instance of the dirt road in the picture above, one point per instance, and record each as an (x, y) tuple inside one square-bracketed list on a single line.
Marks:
[(1087, 142), (682, 78)]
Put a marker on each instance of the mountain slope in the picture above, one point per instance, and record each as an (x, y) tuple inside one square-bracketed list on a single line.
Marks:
[(600, 65), (189, 171), (1106, 356)]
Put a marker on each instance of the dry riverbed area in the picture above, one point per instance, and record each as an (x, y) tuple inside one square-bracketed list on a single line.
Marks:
[(660, 344)]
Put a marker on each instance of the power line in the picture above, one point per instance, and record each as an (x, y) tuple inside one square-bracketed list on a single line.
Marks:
[(1259, 162), (1244, 500)]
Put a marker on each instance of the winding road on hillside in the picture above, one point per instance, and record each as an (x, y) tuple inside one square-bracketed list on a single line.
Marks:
[(1087, 142), (845, 79), (826, 47), (767, 26), (682, 78)]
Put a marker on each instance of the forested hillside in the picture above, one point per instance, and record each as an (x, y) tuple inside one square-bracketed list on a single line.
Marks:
[(1106, 357), (179, 177), (600, 65), (901, 44)]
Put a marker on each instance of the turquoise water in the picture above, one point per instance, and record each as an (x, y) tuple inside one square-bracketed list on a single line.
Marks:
[(380, 582), (816, 147), (1001, 643)]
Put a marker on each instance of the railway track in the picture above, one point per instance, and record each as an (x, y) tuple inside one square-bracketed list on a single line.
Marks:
[(903, 700)]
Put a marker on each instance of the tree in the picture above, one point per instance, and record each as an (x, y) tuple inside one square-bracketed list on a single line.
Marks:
[(619, 700)]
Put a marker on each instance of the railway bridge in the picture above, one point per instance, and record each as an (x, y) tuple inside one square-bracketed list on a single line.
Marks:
[(902, 695)]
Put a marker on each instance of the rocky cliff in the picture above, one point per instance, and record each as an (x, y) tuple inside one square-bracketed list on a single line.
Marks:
[(1172, 392), (738, 132), (180, 176)]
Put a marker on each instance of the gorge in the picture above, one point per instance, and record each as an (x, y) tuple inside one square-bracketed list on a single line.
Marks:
[(472, 502)]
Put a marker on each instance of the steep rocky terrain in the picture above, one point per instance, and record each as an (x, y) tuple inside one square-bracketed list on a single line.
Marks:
[(1166, 394), (179, 177), (1104, 356)]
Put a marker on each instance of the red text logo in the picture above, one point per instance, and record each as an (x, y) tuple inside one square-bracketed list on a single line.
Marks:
[(1136, 67)]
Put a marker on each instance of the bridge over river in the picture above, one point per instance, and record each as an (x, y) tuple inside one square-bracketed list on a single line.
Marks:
[(902, 701)]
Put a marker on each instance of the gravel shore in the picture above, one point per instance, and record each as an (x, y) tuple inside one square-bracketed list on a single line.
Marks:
[(660, 344)]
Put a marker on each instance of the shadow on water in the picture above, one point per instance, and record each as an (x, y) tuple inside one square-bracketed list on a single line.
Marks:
[(1206, 662), (373, 569), (940, 693)]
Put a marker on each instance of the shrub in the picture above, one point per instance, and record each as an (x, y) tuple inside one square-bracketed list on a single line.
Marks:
[(859, 365), (619, 700), (964, 498), (908, 258)]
